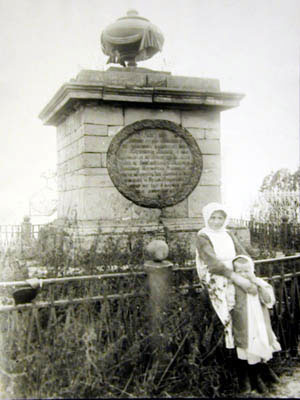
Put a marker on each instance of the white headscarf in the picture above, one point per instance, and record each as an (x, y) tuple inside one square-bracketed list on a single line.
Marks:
[(222, 242), (208, 210)]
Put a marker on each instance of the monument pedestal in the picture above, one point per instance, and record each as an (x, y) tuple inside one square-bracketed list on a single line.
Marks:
[(91, 110)]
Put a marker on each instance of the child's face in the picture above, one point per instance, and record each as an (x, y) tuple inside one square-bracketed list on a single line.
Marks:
[(216, 220), (242, 265)]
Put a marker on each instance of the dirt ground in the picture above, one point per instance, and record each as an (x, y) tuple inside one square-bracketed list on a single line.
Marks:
[(289, 386)]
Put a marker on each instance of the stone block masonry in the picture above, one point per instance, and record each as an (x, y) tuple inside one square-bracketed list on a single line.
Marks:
[(84, 149), (92, 109)]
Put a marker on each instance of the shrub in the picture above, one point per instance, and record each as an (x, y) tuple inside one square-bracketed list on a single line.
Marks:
[(63, 253)]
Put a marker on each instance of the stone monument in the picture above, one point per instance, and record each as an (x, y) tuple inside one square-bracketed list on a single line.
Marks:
[(137, 149)]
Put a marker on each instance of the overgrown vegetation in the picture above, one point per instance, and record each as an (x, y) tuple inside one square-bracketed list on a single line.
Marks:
[(113, 347), (64, 253), (110, 349)]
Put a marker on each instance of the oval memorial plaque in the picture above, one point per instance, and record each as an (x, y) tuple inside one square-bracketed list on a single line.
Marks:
[(154, 163)]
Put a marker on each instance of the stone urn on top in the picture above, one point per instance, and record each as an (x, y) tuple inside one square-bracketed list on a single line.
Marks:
[(130, 39)]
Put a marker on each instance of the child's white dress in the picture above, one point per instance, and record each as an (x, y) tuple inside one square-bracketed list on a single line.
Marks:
[(261, 341)]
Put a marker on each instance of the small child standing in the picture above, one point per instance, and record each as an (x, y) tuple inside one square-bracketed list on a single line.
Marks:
[(254, 338)]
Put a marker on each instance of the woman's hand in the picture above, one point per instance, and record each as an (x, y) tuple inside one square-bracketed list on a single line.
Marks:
[(243, 283)]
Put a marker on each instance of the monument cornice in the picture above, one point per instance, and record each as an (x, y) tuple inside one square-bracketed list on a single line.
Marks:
[(71, 95)]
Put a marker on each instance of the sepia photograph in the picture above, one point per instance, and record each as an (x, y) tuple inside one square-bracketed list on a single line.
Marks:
[(150, 203)]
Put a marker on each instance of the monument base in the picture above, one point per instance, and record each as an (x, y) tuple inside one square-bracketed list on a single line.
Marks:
[(176, 233), (179, 234)]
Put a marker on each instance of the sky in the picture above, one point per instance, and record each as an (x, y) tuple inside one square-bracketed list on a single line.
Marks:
[(251, 46)]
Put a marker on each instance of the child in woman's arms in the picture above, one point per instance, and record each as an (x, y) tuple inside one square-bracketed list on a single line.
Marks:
[(254, 338), (244, 266)]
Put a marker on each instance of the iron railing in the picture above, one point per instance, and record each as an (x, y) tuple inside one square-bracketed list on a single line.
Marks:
[(11, 235), (283, 236), (282, 273), (112, 305)]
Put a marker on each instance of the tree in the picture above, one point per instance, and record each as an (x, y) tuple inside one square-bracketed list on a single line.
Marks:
[(278, 197), (44, 201)]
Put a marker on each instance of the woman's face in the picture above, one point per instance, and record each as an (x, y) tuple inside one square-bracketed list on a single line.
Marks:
[(216, 220)]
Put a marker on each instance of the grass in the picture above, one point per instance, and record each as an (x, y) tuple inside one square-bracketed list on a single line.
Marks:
[(114, 348)]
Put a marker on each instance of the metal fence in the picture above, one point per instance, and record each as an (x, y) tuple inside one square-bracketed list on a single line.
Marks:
[(13, 235), (283, 236), (282, 273), (95, 317)]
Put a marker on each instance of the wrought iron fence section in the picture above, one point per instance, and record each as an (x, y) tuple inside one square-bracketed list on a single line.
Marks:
[(12, 235), (107, 310), (281, 236)]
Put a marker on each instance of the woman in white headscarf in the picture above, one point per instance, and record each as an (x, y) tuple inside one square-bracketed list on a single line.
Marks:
[(216, 248)]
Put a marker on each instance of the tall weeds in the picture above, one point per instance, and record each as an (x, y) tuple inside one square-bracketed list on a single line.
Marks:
[(110, 347)]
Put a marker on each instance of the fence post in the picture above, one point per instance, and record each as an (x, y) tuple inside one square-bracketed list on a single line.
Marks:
[(26, 231), (285, 236), (252, 228), (159, 280)]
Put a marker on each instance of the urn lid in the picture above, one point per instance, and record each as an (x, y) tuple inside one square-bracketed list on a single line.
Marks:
[(132, 14), (130, 39)]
